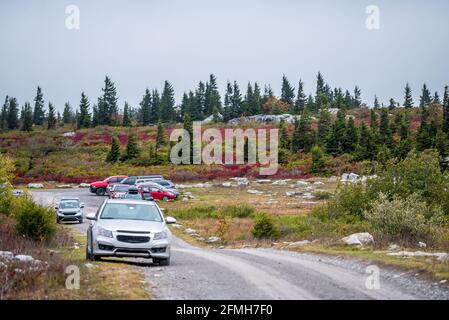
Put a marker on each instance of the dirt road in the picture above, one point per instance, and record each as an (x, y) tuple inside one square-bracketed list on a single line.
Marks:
[(197, 273)]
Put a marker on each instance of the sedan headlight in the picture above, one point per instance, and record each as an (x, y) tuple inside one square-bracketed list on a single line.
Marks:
[(105, 233), (160, 235)]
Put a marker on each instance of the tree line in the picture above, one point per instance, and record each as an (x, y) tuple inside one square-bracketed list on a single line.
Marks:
[(202, 102)]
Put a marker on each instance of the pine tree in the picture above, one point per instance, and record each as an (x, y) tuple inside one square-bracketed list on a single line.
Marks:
[(155, 109), (442, 143), (303, 135), (95, 119), (114, 153), (436, 98), (351, 138), (374, 125), (334, 143), (256, 101), (39, 113), (4, 115), (408, 100), (51, 119), (132, 149), (27, 117), (423, 139), (167, 111), (107, 104), (384, 129), (13, 114), (160, 140), (367, 147), (188, 126), (287, 92), (67, 114), (357, 101), (212, 96), (145, 108), (425, 98), (376, 103), (244, 106), (317, 159), (392, 104), (284, 138), (84, 119), (227, 111), (300, 99), (348, 100), (126, 116), (200, 100), (320, 84), (446, 109), (324, 126)]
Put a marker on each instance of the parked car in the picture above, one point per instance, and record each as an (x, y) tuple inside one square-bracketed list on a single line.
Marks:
[(118, 190), (133, 179), (100, 187), (158, 192), (165, 183), (129, 228), (156, 184), (69, 209)]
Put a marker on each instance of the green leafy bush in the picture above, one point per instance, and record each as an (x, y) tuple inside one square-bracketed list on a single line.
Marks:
[(35, 221), (265, 227), (404, 219)]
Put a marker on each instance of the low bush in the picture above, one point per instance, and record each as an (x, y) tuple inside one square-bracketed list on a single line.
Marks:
[(241, 211), (265, 227), (195, 212), (35, 221), (405, 219)]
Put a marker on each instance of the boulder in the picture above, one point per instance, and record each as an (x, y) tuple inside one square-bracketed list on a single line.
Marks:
[(6, 255), (422, 245), (213, 240), (280, 182), (69, 134), (226, 184), (35, 185), (298, 244), (266, 118), (84, 185), (302, 183), (190, 231), (393, 247), (24, 258), (262, 181), (318, 183), (441, 256), (308, 196), (176, 226), (251, 191), (212, 117), (360, 239)]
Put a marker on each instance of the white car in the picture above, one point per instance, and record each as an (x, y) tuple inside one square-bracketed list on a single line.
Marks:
[(129, 228)]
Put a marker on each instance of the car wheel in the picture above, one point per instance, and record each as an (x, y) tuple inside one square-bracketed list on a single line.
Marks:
[(101, 192), (165, 198)]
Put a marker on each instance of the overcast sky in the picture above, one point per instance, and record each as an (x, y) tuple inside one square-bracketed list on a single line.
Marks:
[(141, 43)]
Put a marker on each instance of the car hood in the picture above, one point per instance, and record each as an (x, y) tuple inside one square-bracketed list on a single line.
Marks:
[(98, 183), (131, 225)]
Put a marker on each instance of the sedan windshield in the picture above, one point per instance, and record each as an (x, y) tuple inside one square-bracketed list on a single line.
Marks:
[(71, 204), (126, 211)]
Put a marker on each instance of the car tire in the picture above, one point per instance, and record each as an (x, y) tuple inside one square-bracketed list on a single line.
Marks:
[(100, 192)]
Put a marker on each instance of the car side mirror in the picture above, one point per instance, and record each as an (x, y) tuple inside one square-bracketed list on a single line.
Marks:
[(91, 216), (170, 220), (82, 205)]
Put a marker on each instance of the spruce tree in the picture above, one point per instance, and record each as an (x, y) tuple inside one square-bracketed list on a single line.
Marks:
[(376, 103), (300, 99), (374, 124), (303, 135), (384, 129), (39, 113), (392, 104), (212, 96), (51, 119), (284, 138), (245, 105), (4, 115), (227, 111), (13, 114), (357, 101), (441, 143), (367, 147), (107, 104), (334, 143), (27, 117), (145, 108), (236, 100), (95, 119), (287, 92), (351, 138), (256, 101), (425, 98), (126, 116), (324, 126), (132, 149), (160, 140), (446, 109), (436, 98), (114, 153), (408, 100), (84, 119), (67, 114), (317, 160), (155, 109), (167, 104)]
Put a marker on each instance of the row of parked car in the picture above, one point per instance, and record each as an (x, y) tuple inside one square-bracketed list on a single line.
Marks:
[(153, 187)]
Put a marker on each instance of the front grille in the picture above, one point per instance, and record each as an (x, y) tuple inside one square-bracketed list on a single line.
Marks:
[(133, 239), (69, 213)]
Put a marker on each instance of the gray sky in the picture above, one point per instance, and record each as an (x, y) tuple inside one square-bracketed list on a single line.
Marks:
[(142, 43)]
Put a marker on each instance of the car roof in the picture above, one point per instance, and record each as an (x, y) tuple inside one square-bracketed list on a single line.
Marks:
[(70, 198), (130, 201)]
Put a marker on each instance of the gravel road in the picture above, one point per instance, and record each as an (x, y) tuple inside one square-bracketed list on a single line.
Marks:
[(254, 274)]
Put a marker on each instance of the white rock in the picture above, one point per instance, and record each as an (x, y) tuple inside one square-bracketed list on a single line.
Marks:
[(35, 185), (361, 238), (212, 117), (64, 186), (280, 182), (84, 185), (190, 231), (318, 183), (302, 183), (308, 196), (90, 265), (262, 181), (226, 184), (443, 281), (298, 244), (176, 226), (6, 255), (422, 245), (442, 256), (24, 258), (266, 118), (393, 247), (69, 134), (251, 191), (213, 239)]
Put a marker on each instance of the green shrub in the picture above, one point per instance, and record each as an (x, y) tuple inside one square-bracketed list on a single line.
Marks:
[(408, 219), (350, 200), (265, 227), (35, 221), (195, 212), (241, 211)]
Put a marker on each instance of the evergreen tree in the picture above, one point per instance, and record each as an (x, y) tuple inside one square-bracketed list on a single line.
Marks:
[(303, 135), (160, 140), (436, 98), (200, 100), (107, 104), (300, 99), (255, 106), (324, 126), (392, 104), (145, 108), (4, 115), (351, 138), (320, 84), (167, 111), (284, 138), (317, 159), (334, 143), (84, 119), (442, 143), (425, 98), (408, 100), (39, 113), (95, 120), (287, 92), (348, 101), (228, 112), (126, 116), (357, 101), (376, 103), (245, 105), (188, 126), (27, 117), (51, 119), (13, 114), (384, 129), (423, 136), (212, 96), (67, 114), (446, 109), (374, 124), (132, 149), (155, 115), (114, 153), (310, 105), (367, 147)]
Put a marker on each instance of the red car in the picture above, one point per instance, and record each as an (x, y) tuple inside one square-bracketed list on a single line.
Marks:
[(99, 187), (158, 193)]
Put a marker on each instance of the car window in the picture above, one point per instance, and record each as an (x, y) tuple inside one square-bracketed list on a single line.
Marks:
[(126, 211), (121, 188), (69, 204), (154, 189)]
